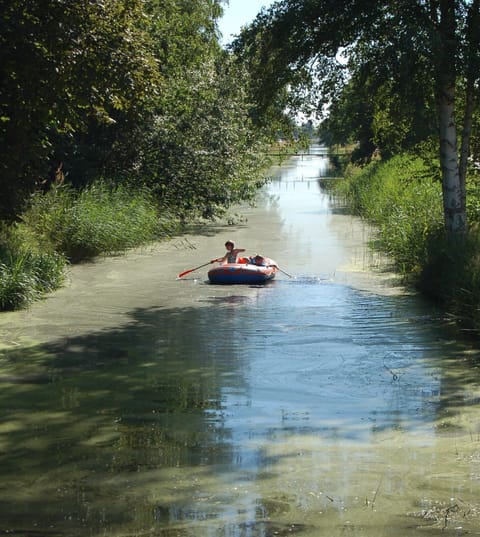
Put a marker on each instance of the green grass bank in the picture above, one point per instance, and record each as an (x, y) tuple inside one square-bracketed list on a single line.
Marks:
[(66, 226), (404, 202)]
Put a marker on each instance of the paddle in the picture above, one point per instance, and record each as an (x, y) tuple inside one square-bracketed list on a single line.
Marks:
[(278, 268), (192, 269)]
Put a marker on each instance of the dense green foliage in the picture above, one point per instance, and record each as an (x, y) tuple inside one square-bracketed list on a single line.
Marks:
[(373, 80), (27, 276), (135, 91), (27, 270), (206, 155), (71, 73), (451, 276)]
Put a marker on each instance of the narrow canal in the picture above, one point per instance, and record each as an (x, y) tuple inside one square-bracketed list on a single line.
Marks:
[(326, 403)]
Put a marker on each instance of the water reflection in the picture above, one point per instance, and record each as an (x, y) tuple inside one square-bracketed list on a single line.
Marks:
[(197, 408), (303, 407)]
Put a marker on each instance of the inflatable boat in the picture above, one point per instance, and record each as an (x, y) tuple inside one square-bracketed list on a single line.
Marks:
[(243, 273)]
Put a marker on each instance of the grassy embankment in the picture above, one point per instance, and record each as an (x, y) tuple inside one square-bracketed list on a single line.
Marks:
[(404, 203), (64, 226)]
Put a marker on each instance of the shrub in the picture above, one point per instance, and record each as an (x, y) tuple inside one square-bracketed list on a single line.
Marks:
[(26, 275), (65, 224), (403, 201), (99, 219)]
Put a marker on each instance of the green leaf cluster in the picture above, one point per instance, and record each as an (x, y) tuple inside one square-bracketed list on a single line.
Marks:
[(371, 71), (66, 68), (135, 92)]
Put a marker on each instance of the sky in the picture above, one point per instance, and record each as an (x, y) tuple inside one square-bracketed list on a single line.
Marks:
[(238, 13)]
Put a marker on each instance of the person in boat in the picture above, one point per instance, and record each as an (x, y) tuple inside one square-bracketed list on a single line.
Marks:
[(257, 259), (231, 256)]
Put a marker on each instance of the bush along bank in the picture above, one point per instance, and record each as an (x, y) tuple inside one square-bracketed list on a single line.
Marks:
[(404, 203), (64, 226), (27, 275)]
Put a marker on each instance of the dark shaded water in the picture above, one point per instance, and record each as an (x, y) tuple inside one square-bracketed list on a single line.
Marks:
[(329, 403)]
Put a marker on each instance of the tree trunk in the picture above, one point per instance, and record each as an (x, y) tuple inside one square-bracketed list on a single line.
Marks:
[(454, 202)]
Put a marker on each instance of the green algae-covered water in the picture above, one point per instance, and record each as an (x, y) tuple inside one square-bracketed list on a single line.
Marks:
[(329, 403)]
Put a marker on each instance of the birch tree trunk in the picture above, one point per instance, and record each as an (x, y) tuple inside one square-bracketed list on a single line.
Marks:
[(454, 202)]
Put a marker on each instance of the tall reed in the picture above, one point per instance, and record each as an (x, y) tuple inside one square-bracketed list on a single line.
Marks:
[(405, 203), (26, 276), (64, 224), (99, 220)]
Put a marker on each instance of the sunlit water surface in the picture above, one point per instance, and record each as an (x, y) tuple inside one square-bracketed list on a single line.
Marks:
[(328, 402)]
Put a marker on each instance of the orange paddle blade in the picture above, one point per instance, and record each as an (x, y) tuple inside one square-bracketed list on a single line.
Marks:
[(192, 269)]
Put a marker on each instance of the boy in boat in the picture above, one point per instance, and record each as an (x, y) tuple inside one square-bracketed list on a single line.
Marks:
[(231, 256)]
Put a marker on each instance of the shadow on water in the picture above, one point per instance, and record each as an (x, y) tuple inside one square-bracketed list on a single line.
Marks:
[(186, 419), (80, 416)]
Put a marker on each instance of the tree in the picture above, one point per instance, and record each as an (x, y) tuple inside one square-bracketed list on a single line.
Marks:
[(66, 69), (135, 91), (300, 39)]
